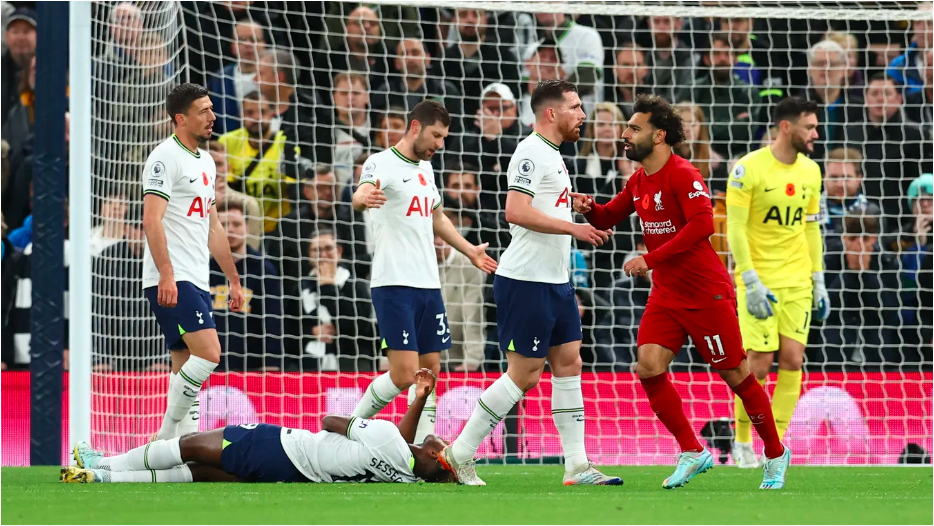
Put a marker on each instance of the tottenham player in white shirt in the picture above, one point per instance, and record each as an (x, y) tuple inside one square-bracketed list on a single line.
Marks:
[(182, 233), (349, 449), (397, 187), (536, 310)]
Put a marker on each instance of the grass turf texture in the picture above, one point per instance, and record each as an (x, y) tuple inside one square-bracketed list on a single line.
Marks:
[(515, 494)]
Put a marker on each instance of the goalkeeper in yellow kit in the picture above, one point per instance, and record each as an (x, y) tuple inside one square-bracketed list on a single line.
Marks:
[(773, 227)]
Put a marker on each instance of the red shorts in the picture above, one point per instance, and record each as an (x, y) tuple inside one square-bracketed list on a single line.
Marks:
[(714, 330)]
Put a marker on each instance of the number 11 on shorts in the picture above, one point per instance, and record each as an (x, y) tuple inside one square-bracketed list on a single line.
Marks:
[(717, 353)]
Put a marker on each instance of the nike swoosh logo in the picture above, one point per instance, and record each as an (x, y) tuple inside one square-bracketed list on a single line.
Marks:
[(406, 180), (634, 199), (718, 361), (192, 180), (445, 340), (770, 189)]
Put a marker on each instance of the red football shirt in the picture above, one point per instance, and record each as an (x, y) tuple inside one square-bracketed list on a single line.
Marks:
[(677, 221)]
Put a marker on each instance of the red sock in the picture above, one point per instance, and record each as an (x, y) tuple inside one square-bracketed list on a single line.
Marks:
[(759, 410), (665, 401)]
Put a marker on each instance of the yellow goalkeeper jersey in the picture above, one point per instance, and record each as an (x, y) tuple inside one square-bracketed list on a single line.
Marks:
[(779, 199)]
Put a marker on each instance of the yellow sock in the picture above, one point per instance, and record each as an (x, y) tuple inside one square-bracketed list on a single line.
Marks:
[(785, 398), (743, 424)]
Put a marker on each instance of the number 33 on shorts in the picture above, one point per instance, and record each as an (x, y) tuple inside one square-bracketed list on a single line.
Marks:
[(444, 330)]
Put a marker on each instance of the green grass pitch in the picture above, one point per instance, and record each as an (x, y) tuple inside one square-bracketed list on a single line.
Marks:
[(515, 494)]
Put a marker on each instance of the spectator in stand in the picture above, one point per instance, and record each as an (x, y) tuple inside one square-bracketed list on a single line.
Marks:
[(919, 105), (250, 339), (17, 199), (464, 219), (493, 137), (855, 79), (462, 191), (362, 50), (228, 86), (863, 286), (19, 120), (390, 128), (333, 313), (223, 192), (20, 39), (350, 134), (671, 65), (906, 70), (125, 337), (843, 189), (827, 65), (596, 325), (476, 60), (113, 223), (414, 85), (727, 101), (696, 148), (254, 156), (317, 210), (462, 290), (602, 155), (747, 66), (631, 75), (895, 151), (914, 238), (277, 79), (581, 53), (543, 64)]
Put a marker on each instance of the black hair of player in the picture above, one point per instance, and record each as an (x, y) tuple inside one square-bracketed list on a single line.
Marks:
[(181, 98), (550, 91), (661, 116), (792, 108), (428, 113)]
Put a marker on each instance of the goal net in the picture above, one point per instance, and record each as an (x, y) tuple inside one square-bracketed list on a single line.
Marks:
[(305, 91)]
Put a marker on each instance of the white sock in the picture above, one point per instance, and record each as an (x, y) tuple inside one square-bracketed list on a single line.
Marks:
[(177, 474), (426, 422), (189, 424), (159, 454), (492, 406), (183, 391), (567, 410), (376, 397)]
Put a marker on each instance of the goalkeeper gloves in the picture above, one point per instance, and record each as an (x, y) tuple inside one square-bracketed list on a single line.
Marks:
[(821, 297), (758, 297)]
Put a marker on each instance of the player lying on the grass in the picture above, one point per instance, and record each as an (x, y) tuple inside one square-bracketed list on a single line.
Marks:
[(349, 449), (692, 293)]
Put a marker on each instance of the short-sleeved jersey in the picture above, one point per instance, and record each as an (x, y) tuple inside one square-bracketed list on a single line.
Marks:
[(781, 198), (665, 201), (537, 169), (185, 179), (403, 228), (371, 451)]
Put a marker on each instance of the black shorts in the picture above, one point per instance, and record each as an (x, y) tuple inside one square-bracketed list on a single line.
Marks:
[(254, 453)]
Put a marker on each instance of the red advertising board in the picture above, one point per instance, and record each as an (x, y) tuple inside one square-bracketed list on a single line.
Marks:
[(843, 418)]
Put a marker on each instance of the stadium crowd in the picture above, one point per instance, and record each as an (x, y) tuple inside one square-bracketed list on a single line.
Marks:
[(304, 92)]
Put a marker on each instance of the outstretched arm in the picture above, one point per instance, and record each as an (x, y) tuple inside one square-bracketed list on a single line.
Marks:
[(424, 384), (608, 215), (446, 230)]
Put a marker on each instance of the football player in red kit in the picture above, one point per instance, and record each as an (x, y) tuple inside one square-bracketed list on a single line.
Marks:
[(692, 293)]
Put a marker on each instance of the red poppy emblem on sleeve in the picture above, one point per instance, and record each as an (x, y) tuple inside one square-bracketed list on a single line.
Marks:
[(421, 179), (645, 202), (204, 177), (790, 189)]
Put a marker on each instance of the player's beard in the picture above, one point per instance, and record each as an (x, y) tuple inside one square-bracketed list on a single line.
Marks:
[(802, 146), (639, 151), (572, 134), (423, 152)]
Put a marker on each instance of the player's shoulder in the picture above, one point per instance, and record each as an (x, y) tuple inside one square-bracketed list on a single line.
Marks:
[(807, 164), (683, 169), (752, 163)]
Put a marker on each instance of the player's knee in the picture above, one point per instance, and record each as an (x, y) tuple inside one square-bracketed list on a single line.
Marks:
[(524, 380), (790, 361), (402, 377), (571, 367), (210, 351), (647, 369)]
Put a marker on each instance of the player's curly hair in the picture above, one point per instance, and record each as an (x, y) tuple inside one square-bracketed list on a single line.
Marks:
[(661, 116)]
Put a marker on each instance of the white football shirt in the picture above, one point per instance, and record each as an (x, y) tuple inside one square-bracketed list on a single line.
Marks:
[(537, 169), (403, 228), (372, 451), (186, 180)]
